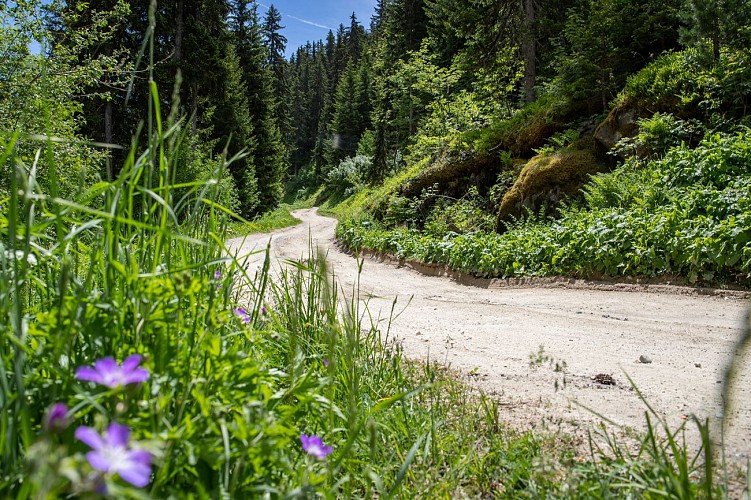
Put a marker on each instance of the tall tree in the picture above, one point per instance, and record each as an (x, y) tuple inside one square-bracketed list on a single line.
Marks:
[(268, 152), (403, 26), (276, 45)]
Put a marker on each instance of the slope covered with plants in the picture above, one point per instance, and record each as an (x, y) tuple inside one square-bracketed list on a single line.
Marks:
[(539, 138), (138, 357)]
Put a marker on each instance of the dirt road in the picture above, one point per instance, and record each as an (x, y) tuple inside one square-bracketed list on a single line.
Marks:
[(488, 335)]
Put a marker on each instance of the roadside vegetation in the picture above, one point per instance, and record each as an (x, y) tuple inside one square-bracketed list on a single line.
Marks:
[(140, 359)]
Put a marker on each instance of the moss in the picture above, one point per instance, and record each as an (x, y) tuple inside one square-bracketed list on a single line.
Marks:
[(548, 179), (528, 129), (453, 174)]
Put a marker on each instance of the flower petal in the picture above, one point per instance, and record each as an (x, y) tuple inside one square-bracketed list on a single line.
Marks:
[(135, 471), (118, 435), (90, 374), (141, 456), (98, 461), (136, 376), (106, 366), (131, 363), (89, 436)]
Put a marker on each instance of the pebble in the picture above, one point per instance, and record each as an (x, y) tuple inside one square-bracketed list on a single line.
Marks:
[(645, 359)]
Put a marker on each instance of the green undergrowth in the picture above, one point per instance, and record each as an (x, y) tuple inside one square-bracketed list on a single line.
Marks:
[(240, 366), (686, 214), (690, 84), (279, 218)]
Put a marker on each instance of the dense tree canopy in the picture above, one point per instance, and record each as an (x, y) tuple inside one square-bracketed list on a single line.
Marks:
[(421, 72)]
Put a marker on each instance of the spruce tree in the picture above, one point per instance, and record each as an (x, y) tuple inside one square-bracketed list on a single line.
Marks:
[(276, 44), (268, 153)]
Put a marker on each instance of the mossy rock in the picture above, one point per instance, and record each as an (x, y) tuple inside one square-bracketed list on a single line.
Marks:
[(528, 130), (454, 173), (621, 122), (548, 179)]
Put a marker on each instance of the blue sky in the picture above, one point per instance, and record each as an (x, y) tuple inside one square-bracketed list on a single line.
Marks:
[(311, 19)]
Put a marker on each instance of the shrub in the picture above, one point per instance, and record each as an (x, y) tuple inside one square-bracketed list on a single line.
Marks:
[(687, 214), (348, 177)]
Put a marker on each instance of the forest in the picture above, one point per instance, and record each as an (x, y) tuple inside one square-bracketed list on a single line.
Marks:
[(140, 357)]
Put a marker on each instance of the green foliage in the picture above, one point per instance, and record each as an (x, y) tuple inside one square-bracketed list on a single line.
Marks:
[(687, 214), (657, 134), (559, 140), (464, 216), (524, 130), (606, 40), (349, 176), (687, 84), (720, 22)]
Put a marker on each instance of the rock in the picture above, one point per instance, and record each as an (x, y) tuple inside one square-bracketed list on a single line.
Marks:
[(620, 123), (604, 379), (645, 359), (548, 179)]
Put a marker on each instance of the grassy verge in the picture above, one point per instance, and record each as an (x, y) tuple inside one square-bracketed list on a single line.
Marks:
[(278, 218), (687, 214), (222, 384)]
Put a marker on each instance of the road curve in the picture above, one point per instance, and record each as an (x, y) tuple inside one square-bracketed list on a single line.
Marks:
[(489, 334)]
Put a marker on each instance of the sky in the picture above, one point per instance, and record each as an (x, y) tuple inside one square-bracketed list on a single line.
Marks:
[(311, 20)]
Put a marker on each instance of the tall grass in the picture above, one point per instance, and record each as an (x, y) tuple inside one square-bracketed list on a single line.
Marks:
[(230, 394), (240, 366)]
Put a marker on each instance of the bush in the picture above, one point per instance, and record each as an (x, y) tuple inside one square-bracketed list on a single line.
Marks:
[(687, 214), (348, 177)]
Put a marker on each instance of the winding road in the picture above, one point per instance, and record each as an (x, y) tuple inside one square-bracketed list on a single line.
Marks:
[(489, 335)]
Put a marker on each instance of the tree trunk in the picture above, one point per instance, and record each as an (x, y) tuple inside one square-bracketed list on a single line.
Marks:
[(716, 47), (179, 30), (194, 108), (530, 51)]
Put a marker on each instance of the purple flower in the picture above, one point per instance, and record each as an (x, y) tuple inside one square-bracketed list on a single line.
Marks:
[(57, 418), (107, 372), (242, 313), (217, 275), (264, 311), (112, 455), (326, 362), (313, 446)]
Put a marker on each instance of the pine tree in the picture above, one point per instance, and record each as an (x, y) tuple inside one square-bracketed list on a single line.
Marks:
[(268, 151), (276, 44)]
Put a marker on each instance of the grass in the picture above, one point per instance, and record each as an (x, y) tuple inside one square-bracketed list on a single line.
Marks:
[(278, 218), (240, 365)]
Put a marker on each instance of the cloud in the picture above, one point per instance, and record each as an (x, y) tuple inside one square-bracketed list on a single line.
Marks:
[(308, 22), (305, 21)]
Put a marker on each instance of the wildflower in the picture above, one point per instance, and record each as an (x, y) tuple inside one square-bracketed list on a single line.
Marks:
[(313, 446), (264, 311), (217, 275), (242, 313), (112, 455), (56, 418), (31, 259), (326, 362), (107, 372)]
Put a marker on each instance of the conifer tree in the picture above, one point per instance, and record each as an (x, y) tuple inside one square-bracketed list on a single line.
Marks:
[(268, 151), (276, 44)]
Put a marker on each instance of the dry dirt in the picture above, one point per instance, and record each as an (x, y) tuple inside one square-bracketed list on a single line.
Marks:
[(488, 331)]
